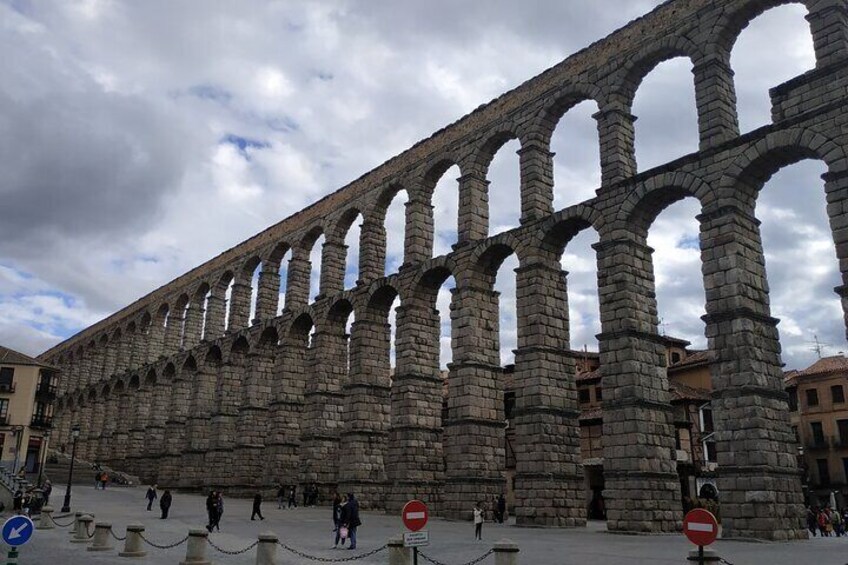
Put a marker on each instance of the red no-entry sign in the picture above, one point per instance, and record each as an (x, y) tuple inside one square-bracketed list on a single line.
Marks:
[(414, 515), (700, 526)]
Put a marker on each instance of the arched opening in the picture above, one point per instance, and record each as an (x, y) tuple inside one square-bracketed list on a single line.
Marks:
[(253, 277), (504, 176), (395, 226), (667, 125), (351, 241), (577, 155), (279, 260), (445, 201), (584, 321), (315, 255), (757, 67)]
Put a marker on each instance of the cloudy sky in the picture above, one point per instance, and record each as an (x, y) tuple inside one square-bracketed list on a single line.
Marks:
[(140, 139)]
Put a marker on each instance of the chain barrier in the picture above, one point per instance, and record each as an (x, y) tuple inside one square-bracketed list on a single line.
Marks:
[(332, 559), (238, 552), (119, 538), (166, 546), (52, 519), (472, 562)]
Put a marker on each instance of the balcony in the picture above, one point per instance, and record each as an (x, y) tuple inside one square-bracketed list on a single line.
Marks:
[(40, 421), (7, 387), (45, 393)]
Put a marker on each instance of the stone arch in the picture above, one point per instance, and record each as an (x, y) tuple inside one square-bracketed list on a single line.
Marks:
[(558, 104), (337, 250), (727, 29), (213, 358), (555, 233), (150, 378), (375, 250), (189, 365)]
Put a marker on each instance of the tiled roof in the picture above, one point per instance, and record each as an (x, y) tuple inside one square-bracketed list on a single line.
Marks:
[(588, 376), (680, 391), (693, 358), (12, 357), (834, 364)]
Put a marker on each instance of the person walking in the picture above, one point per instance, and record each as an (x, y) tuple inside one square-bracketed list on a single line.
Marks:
[(211, 509), (219, 510), (293, 496), (281, 496), (46, 490), (104, 478), (165, 504), (812, 523), (257, 507), (151, 496), (478, 521), (352, 515), (338, 509), (97, 479), (501, 508)]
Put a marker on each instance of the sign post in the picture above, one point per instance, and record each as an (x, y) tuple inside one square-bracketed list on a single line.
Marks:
[(17, 531), (701, 528), (415, 515)]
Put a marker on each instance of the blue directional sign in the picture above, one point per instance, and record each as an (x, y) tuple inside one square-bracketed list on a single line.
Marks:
[(17, 530)]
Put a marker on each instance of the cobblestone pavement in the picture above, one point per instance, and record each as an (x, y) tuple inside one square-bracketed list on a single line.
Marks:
[(309, 530)]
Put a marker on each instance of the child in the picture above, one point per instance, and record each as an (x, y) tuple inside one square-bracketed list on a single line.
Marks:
[(478, 521)]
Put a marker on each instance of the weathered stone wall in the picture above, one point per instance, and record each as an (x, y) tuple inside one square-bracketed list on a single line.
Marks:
[(321, 409)]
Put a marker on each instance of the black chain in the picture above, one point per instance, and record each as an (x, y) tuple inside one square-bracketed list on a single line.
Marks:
[(116, 536), (157, 546), (332, 559), (226, 552), (472, 562), (71, 523)]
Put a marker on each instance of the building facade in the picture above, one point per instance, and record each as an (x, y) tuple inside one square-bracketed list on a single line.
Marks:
[(186, 385), (28, 390)]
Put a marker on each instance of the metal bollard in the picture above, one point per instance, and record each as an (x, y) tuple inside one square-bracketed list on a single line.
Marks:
[(102, 533), (83, 525), (132, 545), (709, 556), (196, 548), (45, 522), (398, 554), (506, 552), (266, 551)]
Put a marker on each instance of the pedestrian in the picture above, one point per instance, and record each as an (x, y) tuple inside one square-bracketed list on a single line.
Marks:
[(836, 523), (313, 495), (338, 507), (501, 508), (823, 522), (96, 480), (104, 478), (306, 492), (165, 503), (257, 507), (352, 518), (812, 523), (219, 510), (293, 496), (18, 502), (478, 521), (211, 509), (281, 496), (151, 496), (46, 490)]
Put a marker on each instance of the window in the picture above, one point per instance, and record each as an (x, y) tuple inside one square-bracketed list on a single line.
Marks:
[(818, 433), (4, 410), (707, 418), (837, 394), (793, 399), (824, 472), (845, 468), (7, 375), (812, 397), (584, 395), (598, 394), (675, 357), (509, 405), (842, 426), (710, 450)]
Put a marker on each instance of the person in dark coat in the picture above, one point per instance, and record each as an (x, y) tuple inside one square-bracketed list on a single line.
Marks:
[(293, 496), (281, 496), (151, 496), (212, 509), (257, 507), (338, 508), (352, 521), (46, 490), (219, 510), (501, 509), (165, 503), (18, 502)]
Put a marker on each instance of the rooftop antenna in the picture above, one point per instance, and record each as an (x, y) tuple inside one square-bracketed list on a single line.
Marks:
[(662, 326), (818, 346)]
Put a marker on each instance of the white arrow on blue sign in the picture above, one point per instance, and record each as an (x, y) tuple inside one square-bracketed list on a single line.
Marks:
[(17, 530)]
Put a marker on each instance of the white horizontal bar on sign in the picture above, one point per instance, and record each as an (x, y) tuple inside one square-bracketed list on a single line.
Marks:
[(415, 515), (699, 527)]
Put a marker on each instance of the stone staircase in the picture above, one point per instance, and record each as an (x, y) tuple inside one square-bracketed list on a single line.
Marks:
[(59, 464)]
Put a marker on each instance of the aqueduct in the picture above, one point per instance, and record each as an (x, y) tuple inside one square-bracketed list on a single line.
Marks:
[(182, 385)]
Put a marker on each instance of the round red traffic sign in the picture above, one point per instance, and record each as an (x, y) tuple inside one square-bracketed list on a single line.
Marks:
[(414, 515), (700, 526)]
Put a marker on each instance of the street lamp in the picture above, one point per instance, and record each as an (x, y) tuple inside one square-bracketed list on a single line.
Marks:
[(44, 443), (19, 434), (75, 431)]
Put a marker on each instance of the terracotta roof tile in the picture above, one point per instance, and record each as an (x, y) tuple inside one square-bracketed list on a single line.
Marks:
[(12, 357)]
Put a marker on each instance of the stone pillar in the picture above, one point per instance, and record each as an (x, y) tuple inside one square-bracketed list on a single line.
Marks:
[(414, 466), (266, 551), (45, 521), (418, 240), (122, 354), (537, 180), (836, 187), (96, 426), (829, 26), (111, 415), (132, 544), (506, 552), (193, 324), (84, 421), (549, 477), (297, 283), (715, 96), (135, 438), (216, 311), (286, 410), (366, 411), (120, 439), (199, 427), (154, 433), (616, 136), (473, 211), (219, 458), (156, 338), (642, 491), (398, 554), (252, 422), (196, 548), (83, 375), (132, 350), (372, 250), (240, 298), (323, 405), (83, 527), (267, 293), (333, 263), (759, 481), (170, 468), (109, 360), (173, 332), (474, 432), (102, 537)]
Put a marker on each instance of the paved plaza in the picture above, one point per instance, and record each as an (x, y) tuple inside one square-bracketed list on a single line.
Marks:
[(310, 530)]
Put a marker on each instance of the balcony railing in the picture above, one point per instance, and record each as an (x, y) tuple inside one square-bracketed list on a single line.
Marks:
[(7, 387), (39, 421), (46, 393)]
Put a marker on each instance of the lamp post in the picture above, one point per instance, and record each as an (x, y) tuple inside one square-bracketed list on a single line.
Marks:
[(75, 431), (44, 443), (19, 434)]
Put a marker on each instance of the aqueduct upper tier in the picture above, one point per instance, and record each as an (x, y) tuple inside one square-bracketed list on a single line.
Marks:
[(184, 386)]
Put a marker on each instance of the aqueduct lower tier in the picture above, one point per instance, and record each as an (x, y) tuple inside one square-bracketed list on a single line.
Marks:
[(167, 389)]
